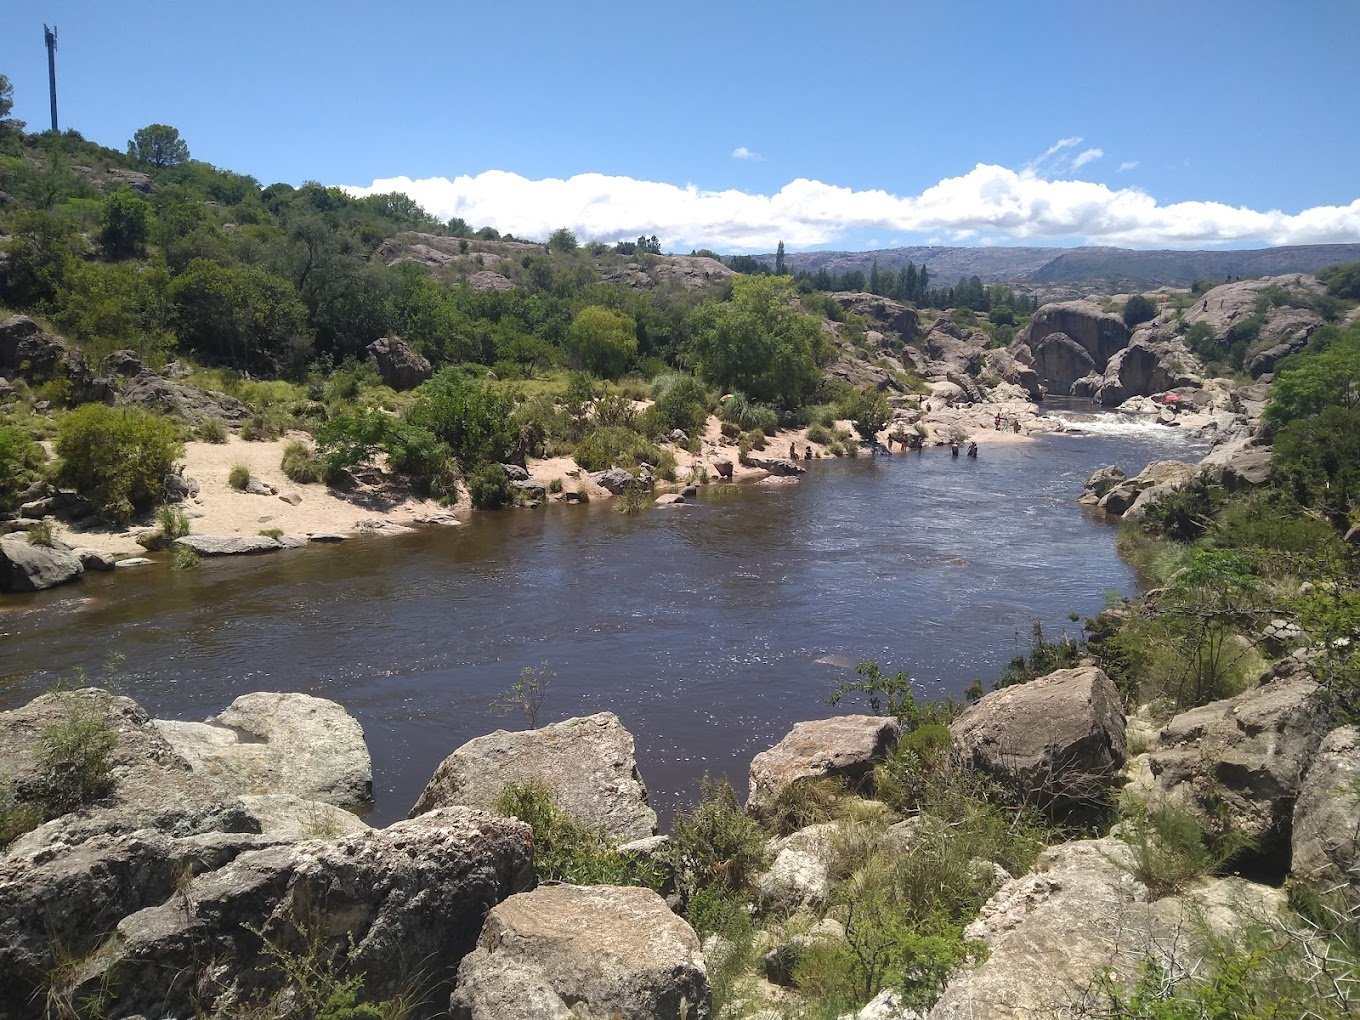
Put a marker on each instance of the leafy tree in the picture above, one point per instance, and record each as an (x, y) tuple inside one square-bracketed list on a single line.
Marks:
[(242, 315), (20, 457), (602, 340), (779, 266), (1342, 281), (682, 402), (158, 145), (562, 239), (760, 342), (869, 411), (8, 125), (42, 250), (126, 223), (112, 306), (1315, 381), (1317, 459), (117, 457), (1138, 309), (470, 416)]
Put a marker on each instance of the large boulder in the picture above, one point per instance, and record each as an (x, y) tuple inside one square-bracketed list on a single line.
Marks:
[(899, 318), (1154, 481), (1139, 370), (583, 953), (229, 545), (1327, 814), (845, 747), (25, 566), (378, 904), (781, 466), (280, 743), (1244, 756), (588, 765), (1059, 361), (167, 396), (614, 480), (1098, 333), (399, 364), (1059, 739)]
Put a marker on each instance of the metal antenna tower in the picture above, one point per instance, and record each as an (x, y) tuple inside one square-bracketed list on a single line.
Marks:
[(50, 37)]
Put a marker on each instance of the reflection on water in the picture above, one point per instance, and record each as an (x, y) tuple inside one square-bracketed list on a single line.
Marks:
[(709, 629)]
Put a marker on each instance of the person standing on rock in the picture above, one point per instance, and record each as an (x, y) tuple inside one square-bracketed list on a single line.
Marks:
[(793, 452)]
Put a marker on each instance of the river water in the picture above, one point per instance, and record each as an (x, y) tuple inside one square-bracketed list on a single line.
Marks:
[(708, 629)]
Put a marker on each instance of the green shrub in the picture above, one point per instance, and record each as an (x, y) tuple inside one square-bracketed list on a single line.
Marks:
[(1185, 514), (184, 558), (212, 431), (1044, 657), (819, 434), (716, 844), (614, 446), (490, 489), (567, 851), (239, 477), (20, 458), (634, 499), (1342, 281), (869, 411), (555, 486), (346, 440), (738, 409), (806, 803), (473, 418), (173, 522), (117, 457), (40, 534), (1171, 847), (75, 752), (271, 532), (681, 402), (665, 465), (300, 464), (416, 453), (1138, 309)]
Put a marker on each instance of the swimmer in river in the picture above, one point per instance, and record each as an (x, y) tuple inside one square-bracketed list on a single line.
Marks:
[(972, 449), (954, 448)]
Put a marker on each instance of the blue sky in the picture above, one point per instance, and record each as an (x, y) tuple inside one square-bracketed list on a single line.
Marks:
[(1183, 124)]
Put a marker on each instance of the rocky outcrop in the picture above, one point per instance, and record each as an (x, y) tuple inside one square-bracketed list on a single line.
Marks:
[(614, 480), (799, 876), (1326, 822), (26, 567), (900, 318), (1150, 484), (1007, 367), (28, 353), (167, 396), (778, 466), (487, 280), (1059, 361), (1138, 370), (843, 747), (587, 764), (1059, 738), (1097, 332), (280, 743), (593, 953), (1244, 755), (399, 364), (1099, 483), (378, 902)]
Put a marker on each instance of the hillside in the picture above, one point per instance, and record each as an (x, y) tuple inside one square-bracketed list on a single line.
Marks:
[(1119, 268)]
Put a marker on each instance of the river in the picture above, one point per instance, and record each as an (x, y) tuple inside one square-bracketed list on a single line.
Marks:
[(709, 629)]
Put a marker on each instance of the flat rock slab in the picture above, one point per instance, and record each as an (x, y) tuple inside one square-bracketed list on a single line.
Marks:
[(845, 747), (592, 953), (588, 764), (280, 743), (229, 545)]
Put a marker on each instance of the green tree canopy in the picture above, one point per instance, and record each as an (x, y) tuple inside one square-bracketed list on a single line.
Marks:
[(242, 315), (760, 342), (1329, 377), (602, 340), (126, 223), (158, 145), (562, 239), (1138, 309), (470, 416), (117, 456)]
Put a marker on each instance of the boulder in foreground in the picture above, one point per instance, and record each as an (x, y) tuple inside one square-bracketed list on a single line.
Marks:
[(588, 765), (843, 747), (568, 952)]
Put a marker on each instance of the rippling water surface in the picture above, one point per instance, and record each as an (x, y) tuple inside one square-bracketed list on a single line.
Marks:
[(709, 629)]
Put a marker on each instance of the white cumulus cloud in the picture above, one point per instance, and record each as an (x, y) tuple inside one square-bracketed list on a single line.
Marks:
[(742, 152), (1016, 206)]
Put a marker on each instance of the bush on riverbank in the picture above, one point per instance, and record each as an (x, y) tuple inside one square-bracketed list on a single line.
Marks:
[(117, 457)]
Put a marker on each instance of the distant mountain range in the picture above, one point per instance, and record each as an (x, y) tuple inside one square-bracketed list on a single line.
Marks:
[(1113, 266)]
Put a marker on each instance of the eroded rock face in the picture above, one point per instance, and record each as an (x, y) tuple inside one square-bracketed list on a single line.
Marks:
[(399, 364), (593, 953), (157, 393), (1059, 738), (1099, 333), (1327, 813), (899, 318), (588, 764), (280, 743), (27, 567), (413, 894), (1144, 488), (1244, 754), (845, 747), (1059, 361)]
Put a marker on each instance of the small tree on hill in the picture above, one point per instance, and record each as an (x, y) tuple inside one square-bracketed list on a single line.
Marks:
[(158, 145), (1138, 309), (562, 239)]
